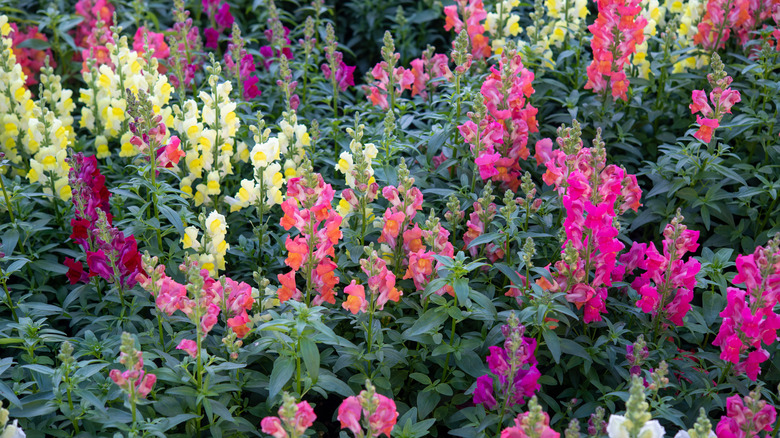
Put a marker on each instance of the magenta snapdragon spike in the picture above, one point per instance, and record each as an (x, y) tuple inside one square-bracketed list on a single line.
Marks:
[(293, 420), (221, 20), (184, 45), (593, 194), (749, 319), (241, 65), (746, 418), (722, 97), (514, 364), (666, 286), (617, 31)]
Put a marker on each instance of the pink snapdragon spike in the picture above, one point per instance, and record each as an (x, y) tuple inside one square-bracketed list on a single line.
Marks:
[(293, 420), (606, 73), (718, 24), (308, 208), (185, 46), (95, 12), (475, 227), (345, 74), (473, 13), (666, 286), (221, 19), (243, 66), (746, 418), (749, 319), (377, 92), (722, 97), (514, 364), (378, 413), (134, 380), (498, 132), (533, 423), (270, 53), (593, 194)]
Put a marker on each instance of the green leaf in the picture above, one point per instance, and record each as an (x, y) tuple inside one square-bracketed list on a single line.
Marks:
[(281, 373), (485, 238), (331, 383), (311, 357), (420, 377), (426, 402), (34, 43), (553, 343), (432, 319), (462, 289), (172, 217)]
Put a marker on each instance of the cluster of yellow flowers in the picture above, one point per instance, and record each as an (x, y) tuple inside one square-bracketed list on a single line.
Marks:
[(16, 104), (565, 19), (48, 140), (58, 100), (502, 24), (105, 101), (212, 247), (655, 14), (357, 168), (208, 140), (690, 12), (293, 139), (266, 186)]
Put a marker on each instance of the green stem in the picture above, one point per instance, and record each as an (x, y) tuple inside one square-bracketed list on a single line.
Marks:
[(298, 366), (7, 200), (446, 371), (8, 297)]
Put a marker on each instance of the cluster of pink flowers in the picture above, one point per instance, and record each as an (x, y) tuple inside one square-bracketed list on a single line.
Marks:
[(726, 17), (269, 53), (617, 31), (97, 48), (593, 195), (185, 44), (515, 366), (478, 219), (378, 412), (31, 60), (473, 13), (721, 96), (499, 139), (426, 69), (381, 286), (309, 209), (749, 318), (745, 419), (377, 92), (202, 306), (221, 19), (110, 254), (667, 284), (526, 427), (94, 12), (293, 420), (246, 69), (134, 380), (157, 45), (345, 74)]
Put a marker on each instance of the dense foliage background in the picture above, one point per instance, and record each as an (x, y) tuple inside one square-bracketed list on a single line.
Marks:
[(483, 209)]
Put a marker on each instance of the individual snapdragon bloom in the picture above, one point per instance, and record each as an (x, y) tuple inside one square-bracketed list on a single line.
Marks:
[(378, 413), (293, 420)]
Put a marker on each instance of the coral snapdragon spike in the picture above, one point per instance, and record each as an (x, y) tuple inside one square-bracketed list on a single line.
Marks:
[(378, 412), (746, 417), (474, 14), (726, 17), (593, 194), (749, 319), (97, 14), (309, 209), (514, 364), (617, 31), (293, 420), (134, 380), (666, 286), (533, 423), (722, 97)]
